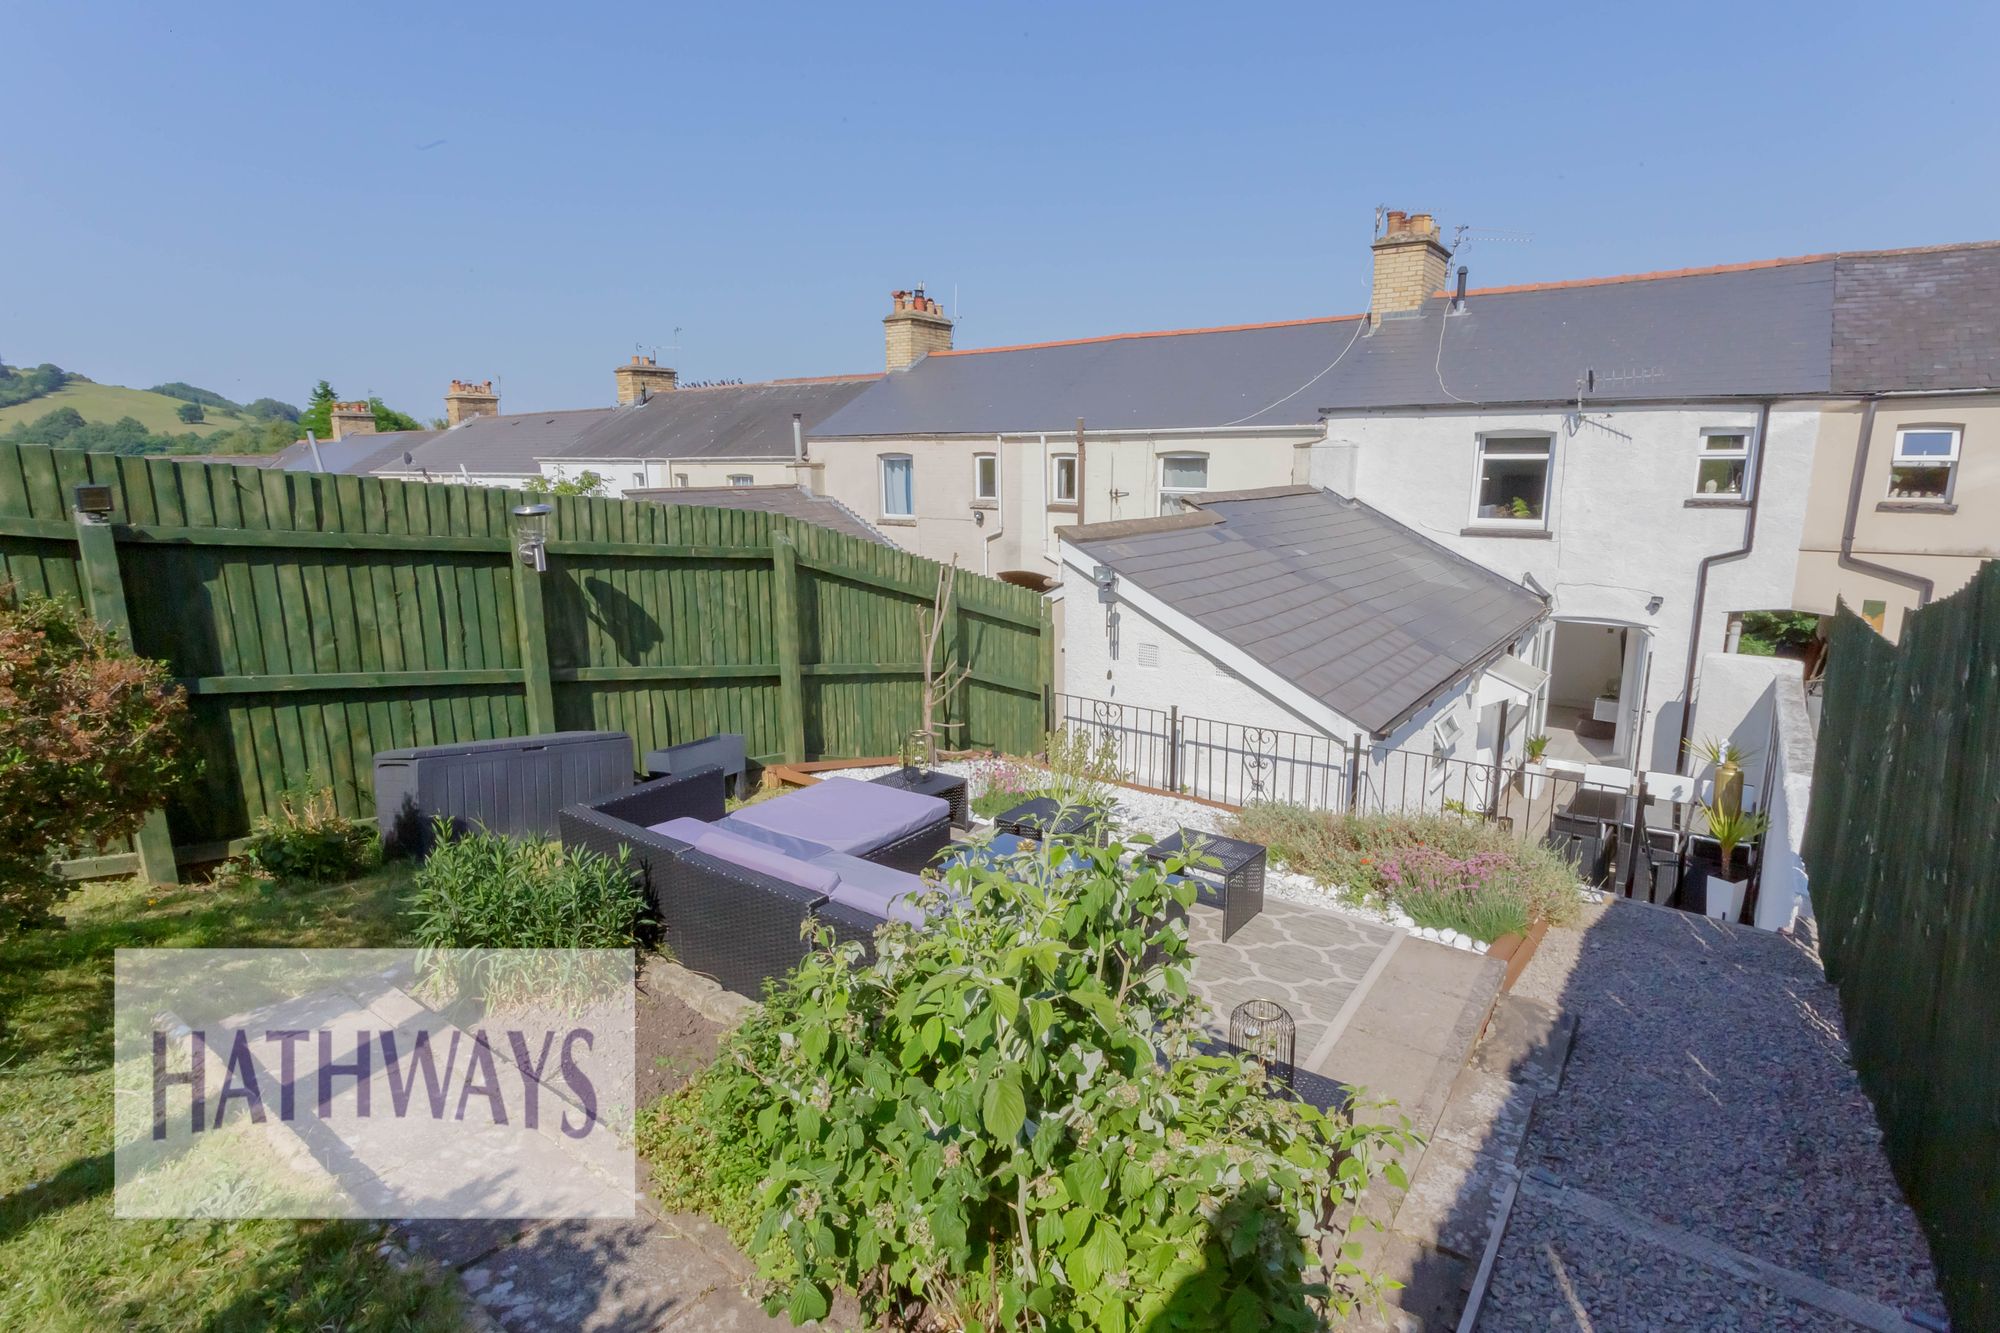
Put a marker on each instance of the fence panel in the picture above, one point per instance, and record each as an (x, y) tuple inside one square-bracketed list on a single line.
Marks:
[(317, 619), (1903, 846)]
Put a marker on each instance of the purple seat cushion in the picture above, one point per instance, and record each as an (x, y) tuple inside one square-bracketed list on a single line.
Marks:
[(683, 829), (846, 814), (804, 849), (875, 889), (740, 851)]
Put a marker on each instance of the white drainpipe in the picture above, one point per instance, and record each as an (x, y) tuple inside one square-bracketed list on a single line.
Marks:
[(999, 513)]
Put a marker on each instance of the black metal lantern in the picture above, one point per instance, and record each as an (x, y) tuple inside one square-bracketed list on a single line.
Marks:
[(531, 536), (1262, 1030)]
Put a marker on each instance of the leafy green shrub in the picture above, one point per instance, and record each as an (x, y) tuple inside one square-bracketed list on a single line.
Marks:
[(484, 891), (1082, 767), (1003, 1122), (309, 840), (89, 743), (1444, 870)]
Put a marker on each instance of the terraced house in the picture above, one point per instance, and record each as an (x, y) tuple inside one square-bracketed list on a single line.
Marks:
[(1653, 455)]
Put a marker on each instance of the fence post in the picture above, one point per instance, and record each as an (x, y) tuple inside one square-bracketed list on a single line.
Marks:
[(1354, 775), (1173, 747), (533, 628), (104, 593), (1045, 666), (791, 680)]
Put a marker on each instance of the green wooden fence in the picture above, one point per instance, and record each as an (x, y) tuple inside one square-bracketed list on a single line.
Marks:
[(1903, 847), (317, 619)]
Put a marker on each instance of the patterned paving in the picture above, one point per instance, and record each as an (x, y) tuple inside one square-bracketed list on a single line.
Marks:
[(1308, 959)]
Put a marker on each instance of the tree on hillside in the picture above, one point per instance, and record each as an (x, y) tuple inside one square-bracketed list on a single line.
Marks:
[(192, 394), (270, 409), (21, 386), (191, 413), (318, 416)]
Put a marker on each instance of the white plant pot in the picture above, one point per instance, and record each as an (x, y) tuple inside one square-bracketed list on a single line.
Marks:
[(1534, 781), (1725, 898)]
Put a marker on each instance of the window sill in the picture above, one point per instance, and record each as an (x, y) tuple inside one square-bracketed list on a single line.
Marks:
[(1527, 534), (1062, 506), (986, 504), (902, 521), (1916, 507), (1716, 502)]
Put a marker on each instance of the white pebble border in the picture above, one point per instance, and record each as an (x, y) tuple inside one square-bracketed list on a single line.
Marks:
[(1148, 812)]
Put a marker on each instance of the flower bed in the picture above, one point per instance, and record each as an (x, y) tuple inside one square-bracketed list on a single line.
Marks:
[(1444, 875)]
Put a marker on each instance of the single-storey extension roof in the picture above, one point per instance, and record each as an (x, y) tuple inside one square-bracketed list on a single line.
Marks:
[(1354, 609), (1838, 323), (791, 501)]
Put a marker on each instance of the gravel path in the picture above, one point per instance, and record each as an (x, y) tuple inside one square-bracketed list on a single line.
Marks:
[(1708, 1088)]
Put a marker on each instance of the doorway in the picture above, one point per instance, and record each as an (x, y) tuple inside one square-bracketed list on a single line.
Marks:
[(1597, 675)]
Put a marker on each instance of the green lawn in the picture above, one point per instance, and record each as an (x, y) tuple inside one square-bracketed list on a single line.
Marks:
[(65, 1261), (108, 402)]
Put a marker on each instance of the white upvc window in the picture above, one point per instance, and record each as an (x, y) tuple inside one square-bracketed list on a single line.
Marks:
[(742, 479), (1724, 469), (1925, 463), (1512, 488), (680, 479), (986, 476), (899, 498), (1062, 479), (1181, 475)]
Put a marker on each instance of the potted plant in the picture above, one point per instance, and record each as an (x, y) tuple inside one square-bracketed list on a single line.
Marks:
[(1730, 829), (1535, 774), (1727, 760)]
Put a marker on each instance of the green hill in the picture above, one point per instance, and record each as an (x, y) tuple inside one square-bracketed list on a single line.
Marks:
[(107, 403)]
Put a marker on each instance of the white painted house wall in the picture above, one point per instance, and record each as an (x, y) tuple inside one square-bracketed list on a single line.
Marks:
[(1619, 530)]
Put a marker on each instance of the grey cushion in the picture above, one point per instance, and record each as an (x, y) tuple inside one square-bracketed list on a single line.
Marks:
[(682, 829), (767, 860), (846, 814), (804, 849), (875, 889)]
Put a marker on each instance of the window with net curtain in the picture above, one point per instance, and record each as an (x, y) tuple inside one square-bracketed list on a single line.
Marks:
[(898, 487), (1181, 475)]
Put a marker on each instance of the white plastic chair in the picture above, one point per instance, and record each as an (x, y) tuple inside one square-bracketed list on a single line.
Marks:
[(1608, 777)]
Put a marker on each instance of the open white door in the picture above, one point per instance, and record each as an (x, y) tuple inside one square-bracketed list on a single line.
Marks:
[(1632, 691)]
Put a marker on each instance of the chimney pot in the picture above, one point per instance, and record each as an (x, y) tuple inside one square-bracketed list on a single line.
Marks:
[(643, 377), (465, 400), (1410, 264), (914, 328)]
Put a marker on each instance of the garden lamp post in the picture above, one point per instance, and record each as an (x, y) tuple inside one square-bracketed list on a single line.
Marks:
[(531, 536)]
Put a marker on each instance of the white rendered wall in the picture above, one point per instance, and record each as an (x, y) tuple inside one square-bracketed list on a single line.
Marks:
[(1620, 532)]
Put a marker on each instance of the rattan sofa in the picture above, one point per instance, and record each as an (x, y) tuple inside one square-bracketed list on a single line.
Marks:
[(725, 920)]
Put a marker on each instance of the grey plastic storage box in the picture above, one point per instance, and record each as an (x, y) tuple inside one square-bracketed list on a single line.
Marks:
[(513, 786)]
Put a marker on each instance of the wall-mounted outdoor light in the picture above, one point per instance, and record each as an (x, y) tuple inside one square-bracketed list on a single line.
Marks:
[(531, 536), (91, 503)]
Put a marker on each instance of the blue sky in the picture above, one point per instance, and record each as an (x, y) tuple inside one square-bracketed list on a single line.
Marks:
[(252, 197)]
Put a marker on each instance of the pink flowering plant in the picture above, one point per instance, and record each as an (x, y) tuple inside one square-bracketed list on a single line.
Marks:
[(1477, 895)]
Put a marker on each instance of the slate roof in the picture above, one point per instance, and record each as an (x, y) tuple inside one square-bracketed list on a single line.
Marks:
[(1357, 610), (725, 421), (791, 501), (1917, 319), (1847, 323)]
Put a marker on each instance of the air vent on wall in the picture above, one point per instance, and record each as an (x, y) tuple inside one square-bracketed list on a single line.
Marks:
[(1149, 654)]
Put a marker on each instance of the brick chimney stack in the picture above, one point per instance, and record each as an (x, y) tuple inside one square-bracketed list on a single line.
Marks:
[(352, 419), (1410, 264), (643, 377), (914, 328), (465, 400)]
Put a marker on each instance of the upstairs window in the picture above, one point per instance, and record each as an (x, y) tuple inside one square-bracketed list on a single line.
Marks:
[(898, 487), (1062, 479), (1513, 481), (1181, 475), (741, 479), (985, 477), (1925, 462), (1724, 469)]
